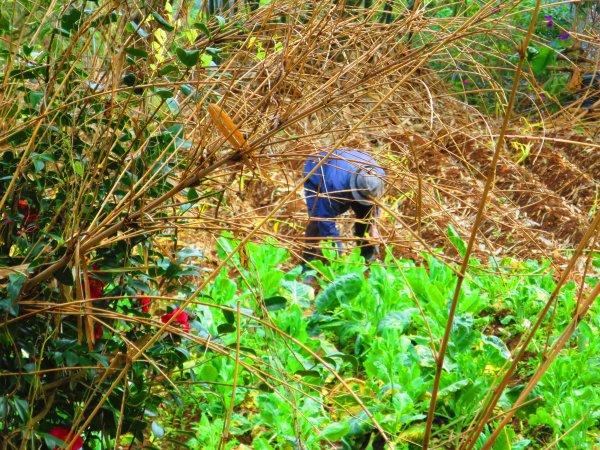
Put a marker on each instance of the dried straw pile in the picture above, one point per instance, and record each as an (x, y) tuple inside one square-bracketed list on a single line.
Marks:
[(334, 76)]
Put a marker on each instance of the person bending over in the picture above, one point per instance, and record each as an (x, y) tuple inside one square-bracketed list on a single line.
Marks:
[(346, 179)]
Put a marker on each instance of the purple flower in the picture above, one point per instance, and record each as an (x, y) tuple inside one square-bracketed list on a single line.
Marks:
[(465, 82), (550, 22), (519, 27), (564, 36)]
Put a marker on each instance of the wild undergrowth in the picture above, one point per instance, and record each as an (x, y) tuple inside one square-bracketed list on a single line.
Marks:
[(134, 133)]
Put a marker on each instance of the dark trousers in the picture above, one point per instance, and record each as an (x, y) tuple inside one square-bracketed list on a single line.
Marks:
[(361, 228)]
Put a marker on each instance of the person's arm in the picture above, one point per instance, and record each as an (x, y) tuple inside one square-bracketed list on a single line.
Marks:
[(375, 236), (366, 224), (374, 231)]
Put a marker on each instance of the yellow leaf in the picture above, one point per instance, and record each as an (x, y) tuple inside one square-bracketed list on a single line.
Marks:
[(228, 129), (6, 271)]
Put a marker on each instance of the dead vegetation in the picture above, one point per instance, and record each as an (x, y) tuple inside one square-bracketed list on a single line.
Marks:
[(325, 79)]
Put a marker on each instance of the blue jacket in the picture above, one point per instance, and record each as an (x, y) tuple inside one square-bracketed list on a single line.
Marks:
[(328, 192)]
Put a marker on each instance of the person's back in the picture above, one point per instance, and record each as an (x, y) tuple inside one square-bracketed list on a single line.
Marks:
[(335, 173)]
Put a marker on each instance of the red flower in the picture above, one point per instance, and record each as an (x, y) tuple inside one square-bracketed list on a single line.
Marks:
[(96, 285), (98, 331), (182, 319), (29, 218), (144, 302), (65, 435), (23, 206)]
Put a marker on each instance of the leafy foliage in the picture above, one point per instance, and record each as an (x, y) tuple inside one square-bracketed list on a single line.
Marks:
[(78, 303), (367, 325)]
